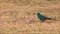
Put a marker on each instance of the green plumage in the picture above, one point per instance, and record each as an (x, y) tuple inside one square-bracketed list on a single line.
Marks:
[(42, 17)]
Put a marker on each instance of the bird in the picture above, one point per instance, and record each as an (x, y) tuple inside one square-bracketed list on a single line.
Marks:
[(42, 17)]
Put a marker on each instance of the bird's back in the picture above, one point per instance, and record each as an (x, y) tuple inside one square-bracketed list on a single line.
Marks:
[(40, 16)]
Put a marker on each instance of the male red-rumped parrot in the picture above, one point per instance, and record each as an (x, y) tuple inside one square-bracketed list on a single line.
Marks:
[(42, 17)]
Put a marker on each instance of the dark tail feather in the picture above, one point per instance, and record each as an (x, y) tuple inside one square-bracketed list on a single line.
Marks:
[(49, 18)]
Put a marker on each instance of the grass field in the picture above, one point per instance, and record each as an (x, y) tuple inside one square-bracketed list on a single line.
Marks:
[(19, 16)]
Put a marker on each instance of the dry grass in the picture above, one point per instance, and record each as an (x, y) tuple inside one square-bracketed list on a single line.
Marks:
[(19, 16)]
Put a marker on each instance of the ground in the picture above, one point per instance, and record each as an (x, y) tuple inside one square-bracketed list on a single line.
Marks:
[(19, 16)]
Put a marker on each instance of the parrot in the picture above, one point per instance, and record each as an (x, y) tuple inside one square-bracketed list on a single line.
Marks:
[(42, 17)]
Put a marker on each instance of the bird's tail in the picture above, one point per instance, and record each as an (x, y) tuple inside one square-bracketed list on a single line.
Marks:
[(51, 19)]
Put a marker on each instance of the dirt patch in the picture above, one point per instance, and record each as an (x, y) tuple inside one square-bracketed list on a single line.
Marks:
[(22, 19)]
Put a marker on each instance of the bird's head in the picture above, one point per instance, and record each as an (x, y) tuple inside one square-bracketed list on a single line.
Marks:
[(38, 13)]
